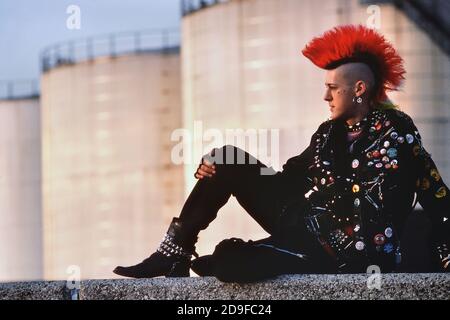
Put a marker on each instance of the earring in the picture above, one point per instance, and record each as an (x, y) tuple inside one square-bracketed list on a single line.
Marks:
[(358, 100)]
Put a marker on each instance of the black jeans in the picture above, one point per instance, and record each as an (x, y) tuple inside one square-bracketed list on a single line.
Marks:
[(239, 174), (263, 196)]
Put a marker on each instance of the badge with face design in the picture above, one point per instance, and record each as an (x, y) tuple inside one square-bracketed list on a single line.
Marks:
[(388, 232), (409, 138), (379, 239), (359, 245), (425, 184), (392, 153), (388, 247), (435, 174), (355, 163), (442, 192)]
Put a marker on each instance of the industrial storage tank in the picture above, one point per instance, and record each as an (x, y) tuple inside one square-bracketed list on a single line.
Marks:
[(242, 68), (20, 182), (110, 189)]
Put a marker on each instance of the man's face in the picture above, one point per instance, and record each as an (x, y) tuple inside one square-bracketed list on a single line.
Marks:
[(339, 94)]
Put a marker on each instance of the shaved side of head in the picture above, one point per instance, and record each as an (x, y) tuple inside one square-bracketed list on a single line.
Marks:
[(351, 73)]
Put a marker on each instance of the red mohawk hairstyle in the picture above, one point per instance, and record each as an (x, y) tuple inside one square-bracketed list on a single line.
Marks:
[(345, 44)]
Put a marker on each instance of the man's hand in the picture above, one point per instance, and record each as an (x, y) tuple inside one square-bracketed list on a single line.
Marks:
[(205, 169)]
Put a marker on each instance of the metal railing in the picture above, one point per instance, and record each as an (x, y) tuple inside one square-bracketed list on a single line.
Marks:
[(190, 6), (133, 42), (18, 89)]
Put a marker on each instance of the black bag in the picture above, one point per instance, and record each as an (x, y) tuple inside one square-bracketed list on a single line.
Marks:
[(236, 260)]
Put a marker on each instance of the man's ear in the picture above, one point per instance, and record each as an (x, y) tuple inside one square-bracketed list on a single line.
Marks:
[(360, 88)]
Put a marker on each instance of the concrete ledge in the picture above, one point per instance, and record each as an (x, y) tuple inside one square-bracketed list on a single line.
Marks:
[(34, 290), (290, 287)]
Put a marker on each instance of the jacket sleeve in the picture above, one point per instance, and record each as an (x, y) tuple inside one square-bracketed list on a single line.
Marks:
[(433, 194), (294, 175), (295, 171)]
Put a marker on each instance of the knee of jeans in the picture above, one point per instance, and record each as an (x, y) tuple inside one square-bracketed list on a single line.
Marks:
[(227, 154), (228, 148)]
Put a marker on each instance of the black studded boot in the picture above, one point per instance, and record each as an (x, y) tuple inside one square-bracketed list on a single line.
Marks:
[(171, 259)]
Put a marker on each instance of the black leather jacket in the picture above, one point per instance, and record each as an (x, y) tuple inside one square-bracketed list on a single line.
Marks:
[(359, 194)]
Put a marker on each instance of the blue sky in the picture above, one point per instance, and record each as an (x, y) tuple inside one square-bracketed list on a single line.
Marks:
[(27, 26)]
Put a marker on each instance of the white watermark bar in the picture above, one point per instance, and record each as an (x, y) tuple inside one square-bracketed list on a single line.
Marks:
[(192, 145)]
